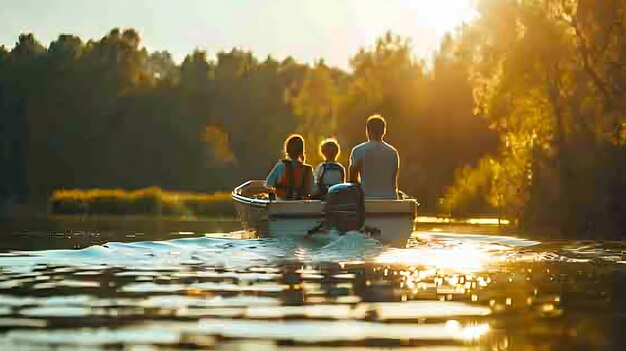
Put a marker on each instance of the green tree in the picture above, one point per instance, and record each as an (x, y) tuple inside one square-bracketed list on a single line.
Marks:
[(544, 85), (315, 104), (429, 112)]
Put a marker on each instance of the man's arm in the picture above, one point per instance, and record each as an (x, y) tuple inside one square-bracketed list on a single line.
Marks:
[(354, 171), (396, 173), (355, 168)]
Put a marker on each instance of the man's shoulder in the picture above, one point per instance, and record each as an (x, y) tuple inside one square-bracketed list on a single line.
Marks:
[(361, 146), (390, 147), (375, 145), (357, 151)]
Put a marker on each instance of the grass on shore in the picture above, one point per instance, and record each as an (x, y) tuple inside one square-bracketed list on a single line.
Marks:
[(148, 201)]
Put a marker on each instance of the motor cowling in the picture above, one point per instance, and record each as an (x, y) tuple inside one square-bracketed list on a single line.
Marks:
[(345, 207)]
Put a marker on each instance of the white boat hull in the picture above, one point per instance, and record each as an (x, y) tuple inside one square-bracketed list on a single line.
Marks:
[(394, 219)]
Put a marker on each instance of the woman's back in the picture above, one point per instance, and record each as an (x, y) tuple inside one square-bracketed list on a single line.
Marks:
[(292, 180)]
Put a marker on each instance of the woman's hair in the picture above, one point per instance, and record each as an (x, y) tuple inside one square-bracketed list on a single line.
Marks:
[(294, 147), (329, 148)]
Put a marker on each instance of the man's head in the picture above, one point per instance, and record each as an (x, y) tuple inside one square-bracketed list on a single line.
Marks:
[(329, 149), (376, 127)]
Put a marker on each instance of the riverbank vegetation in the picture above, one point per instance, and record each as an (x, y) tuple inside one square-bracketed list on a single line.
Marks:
[(551, 77), (148, 201), (519, 114), (109, 114)]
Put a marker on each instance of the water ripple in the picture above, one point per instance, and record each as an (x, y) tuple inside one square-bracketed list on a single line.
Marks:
[(443, 289)]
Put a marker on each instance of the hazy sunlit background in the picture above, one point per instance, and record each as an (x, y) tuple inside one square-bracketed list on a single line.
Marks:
[(484, 119), (308, 30), (125, 124)]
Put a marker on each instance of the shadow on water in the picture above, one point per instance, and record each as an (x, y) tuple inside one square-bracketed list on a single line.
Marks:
[(191, 289)]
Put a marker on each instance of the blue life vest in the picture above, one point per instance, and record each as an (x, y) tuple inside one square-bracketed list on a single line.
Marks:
[(327, 166)]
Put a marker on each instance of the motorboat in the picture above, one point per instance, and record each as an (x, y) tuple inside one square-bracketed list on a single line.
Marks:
[(391, 221)]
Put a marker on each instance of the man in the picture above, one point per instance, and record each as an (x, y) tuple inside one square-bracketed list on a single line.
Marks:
[(375, 163)]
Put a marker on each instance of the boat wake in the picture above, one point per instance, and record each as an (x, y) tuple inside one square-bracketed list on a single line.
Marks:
[(225, 250), (231, 251)]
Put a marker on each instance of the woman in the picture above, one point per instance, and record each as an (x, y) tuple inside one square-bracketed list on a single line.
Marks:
[(291, 178)]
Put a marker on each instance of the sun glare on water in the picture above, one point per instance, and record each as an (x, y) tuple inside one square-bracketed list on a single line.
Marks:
[(466, 259), (463, 257)]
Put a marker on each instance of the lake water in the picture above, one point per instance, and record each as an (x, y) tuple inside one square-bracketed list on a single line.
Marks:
[(162, 285)]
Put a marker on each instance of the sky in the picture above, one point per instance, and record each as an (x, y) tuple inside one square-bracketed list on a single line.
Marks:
[(308, 30)]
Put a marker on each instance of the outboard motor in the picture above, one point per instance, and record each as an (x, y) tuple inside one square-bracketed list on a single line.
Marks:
[(345, 207)]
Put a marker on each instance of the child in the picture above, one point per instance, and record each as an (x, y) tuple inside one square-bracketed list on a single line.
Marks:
[(329, 172), (291, 178)]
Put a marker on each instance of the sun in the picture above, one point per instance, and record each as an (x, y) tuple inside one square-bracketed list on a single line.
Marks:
[(443, 16)]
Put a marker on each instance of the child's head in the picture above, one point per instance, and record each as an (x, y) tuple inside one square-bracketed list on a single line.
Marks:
[(329, 149), (294, 147)]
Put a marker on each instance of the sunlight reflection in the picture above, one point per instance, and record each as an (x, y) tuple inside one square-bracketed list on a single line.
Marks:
[(473, 221), (472, 332), (487, 221), (464, 258)]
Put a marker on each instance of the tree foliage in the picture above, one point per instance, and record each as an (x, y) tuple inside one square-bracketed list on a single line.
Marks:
[(521, 113), (550, 76), (108, 113), (429, 113)]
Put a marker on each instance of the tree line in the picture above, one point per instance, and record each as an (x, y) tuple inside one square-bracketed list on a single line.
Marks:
[(110, 114)]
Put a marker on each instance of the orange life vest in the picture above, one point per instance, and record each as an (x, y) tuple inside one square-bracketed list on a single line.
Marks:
[(295, 182)]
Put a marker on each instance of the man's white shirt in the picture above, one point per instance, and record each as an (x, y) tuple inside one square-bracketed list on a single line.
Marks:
[(379, 164)]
